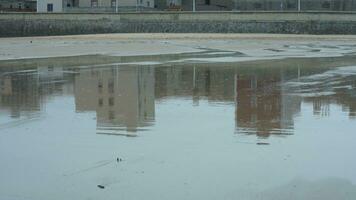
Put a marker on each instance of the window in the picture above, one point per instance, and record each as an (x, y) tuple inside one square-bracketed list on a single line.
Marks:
[(111, 115), (148, 4), (257, 5), (111, 86), (50, 7), (100, 102), (111, 101), (325, 4), (207, 2), (94, 3), (100, 86), (113, 3)]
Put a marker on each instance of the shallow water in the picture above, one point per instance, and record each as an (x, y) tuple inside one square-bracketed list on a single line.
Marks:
[(272, 130)]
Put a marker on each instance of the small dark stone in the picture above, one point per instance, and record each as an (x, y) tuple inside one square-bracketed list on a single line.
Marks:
[(101, 186), (262, 143)]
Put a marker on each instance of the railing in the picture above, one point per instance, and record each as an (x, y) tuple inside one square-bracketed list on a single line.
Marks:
[(229, 5), (213, 5), (107, 9), (295, 5)]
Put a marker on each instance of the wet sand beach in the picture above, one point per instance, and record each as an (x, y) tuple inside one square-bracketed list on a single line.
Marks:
[(259, 46)]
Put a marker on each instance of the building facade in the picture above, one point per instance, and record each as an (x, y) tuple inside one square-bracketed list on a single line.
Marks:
[(18, 5), (176, 5), (50, 6), (93, 5)]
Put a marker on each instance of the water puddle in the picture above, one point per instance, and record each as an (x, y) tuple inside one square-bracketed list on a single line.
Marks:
[(242, 128)]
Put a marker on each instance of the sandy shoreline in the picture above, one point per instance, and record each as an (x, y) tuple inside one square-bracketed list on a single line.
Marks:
[(252, 45), (198, 36)]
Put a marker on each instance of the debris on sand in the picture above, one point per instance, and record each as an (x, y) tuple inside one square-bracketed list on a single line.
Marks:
[(101, 186), (262, 143)]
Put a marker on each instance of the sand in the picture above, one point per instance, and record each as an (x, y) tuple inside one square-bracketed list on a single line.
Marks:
[(254, 46)]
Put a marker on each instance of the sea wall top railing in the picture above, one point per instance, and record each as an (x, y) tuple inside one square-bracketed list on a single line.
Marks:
[(107, 9), (112, 6), (221, 5)]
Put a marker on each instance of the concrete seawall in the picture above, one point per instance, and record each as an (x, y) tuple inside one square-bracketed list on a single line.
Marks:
[(40, 24)]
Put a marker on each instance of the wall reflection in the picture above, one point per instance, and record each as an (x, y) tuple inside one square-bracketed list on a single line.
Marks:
[(123, 98), (24, 92), (262, 108), (266, 99)]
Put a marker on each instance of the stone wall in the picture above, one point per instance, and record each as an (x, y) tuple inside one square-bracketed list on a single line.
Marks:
[(37, 24)]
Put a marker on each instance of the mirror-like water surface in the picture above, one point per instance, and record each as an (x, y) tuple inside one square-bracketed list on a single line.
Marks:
[(271, 130)]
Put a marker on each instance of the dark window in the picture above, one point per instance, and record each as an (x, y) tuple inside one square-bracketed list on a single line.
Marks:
[(94, 3), (257, 5), (100, 87), (111, 115), (50, 7), (100, 102), (113, 3), (111, 86), (325, 4), (207, 2), (111, 101)]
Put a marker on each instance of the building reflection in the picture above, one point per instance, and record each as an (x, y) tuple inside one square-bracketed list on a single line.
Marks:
[(24, 92), (123, 98), (266, 101), (333, 87), (196, 83), (264, 104), (262, 108), (344, 97)]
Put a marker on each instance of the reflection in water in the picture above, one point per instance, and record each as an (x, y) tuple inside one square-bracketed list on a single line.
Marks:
[(121, 97), (261, 106), (337, 86), (23, 92), (266, 100)]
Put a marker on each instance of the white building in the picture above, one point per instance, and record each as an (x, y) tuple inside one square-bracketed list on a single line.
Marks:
[(92, 5), (50, 5)]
